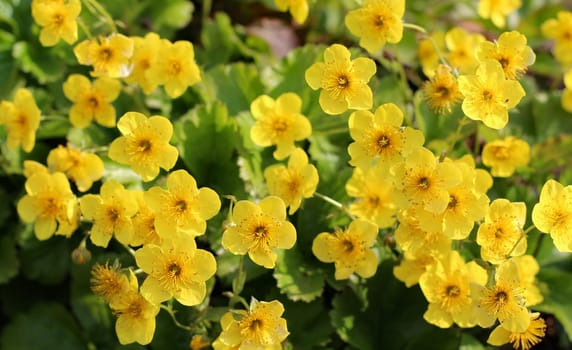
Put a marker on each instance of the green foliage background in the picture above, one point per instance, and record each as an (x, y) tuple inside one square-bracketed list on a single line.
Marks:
[(44, 296)]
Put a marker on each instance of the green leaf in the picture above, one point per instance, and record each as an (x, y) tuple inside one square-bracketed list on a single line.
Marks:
[(219, 41), (237, 85), (46, 261), (556, 288), (394, 317), (9, 262), (8, 74), (207, 139), (35, 60), (304, 319), (550, 118), (166, 16), (298, 277), (46, 326)]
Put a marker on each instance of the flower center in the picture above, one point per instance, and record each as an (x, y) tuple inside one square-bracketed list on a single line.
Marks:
[(453, 291), (174, 270), (452, 202), (144, 145), (93, 102), (105, 54), (343, 82), (348, 245), (487, 95), (423, 183), (180, 206)]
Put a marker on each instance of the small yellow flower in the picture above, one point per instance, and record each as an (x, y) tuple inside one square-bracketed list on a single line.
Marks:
[(501, 234), (417, 241), (553, 214), (91, 101), (524, 340), (144, 145), (50, 204), (182, 207), (57, 19), (298, 180), (109, 283), (526, 268), (567, 93), (375, 196), (424, 181), (511, 51), (21, 119), (145, 55), (377, 22), (259, 229), (411, 268), (144, 231), (505, 155), (497, 10), (350, 250), (559, 29), (175, 67), (111, 212), (176, 268), (489, 95), (110, 56), (428, 54), (343, 81), (82, 168), (442, 90), (504, 300), (461, 45), (447, 287), (279, 122), (380, 137), (261, 327), (298, 8)]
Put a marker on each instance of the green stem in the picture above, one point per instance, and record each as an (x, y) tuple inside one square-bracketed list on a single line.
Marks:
[(95, 5), (523, 235), (53, 117), (456, 138), (100, 149), (238, 282), (331, 131), (415, 27), (334, 203), (538, 245), (84, 28), (171, 312), (207, 7)]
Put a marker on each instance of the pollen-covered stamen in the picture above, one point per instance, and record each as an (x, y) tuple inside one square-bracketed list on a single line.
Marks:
[(144, 145), (105, 54), (488, 95), (343, 82), (453, 201), (260, 231), (423, 183), (93, 101)]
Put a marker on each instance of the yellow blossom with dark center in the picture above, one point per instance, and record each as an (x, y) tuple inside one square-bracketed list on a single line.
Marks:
[(442, 91), (559, 29), (145, 55), (553, 214), (21, 120), (91, 101), (144, 145), (377, 22), (259, 230), (488, 95), (57, 19), (505, 155), (350, 249), (81, 167), (462, 45), (175, 269), (110, 56), (343, 81), (524, 340), (511, 51), (497, 10), (279, 122)]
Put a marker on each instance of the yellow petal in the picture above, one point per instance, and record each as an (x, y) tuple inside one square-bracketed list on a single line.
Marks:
[(314, 74), (193, 295), (273, 206)]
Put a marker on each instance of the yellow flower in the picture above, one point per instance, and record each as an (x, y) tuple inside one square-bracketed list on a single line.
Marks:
[(350, 250), (501, 234), (109, 283), (377, 22), (567, 93), (489, 95), (343, 81), (447, 287), (298, 180), (511, 51), (428, 54), (505, 155), (424, 181), (560, 30), (91, 101), (135, 315), (144, 231), (145, 55), (144, 145), (198, 342), (81, 167), (176, 268), (182, 207), (375, 196), (442, 90), (410, 269), (415, 240), (50, 203), (259, 229), (110, 56), (262, 327), (175, 67), (279, 123), (298, 8), (524, 340), (32, 167), (380, 137), (553, 214), (526, 268), (111, 212), (461, 45), (57, 19), (504, 300), (497, 10), (21, 119)]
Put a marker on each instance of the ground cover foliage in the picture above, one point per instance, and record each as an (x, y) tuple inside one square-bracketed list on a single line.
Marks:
[(260, 174)]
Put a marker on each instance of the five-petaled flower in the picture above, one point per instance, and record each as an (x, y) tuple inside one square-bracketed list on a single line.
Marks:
[(343, 81), (57, 19), (110, 56), (21, 120), (505, 155)]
